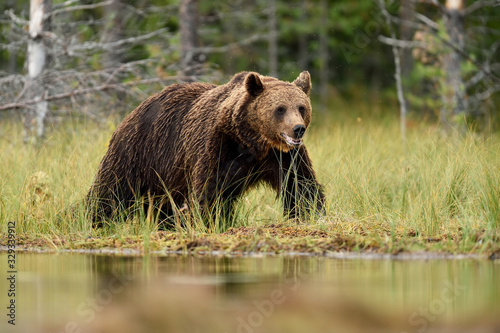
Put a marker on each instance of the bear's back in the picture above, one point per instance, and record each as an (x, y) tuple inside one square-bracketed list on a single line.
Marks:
[(158, 118)]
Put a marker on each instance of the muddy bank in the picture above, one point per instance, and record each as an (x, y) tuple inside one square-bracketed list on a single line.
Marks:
[(333, 255), (273, 239)]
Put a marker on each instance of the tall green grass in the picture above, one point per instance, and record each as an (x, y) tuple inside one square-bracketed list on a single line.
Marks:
[(431, 185)]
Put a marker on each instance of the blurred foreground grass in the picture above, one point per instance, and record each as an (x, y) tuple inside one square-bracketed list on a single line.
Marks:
[(434, 192)]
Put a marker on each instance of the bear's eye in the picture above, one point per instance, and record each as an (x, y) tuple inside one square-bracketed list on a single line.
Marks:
[(280, 110), (302, 110)]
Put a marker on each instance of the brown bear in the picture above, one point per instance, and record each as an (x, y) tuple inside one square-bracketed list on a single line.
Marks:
[(204, 145)]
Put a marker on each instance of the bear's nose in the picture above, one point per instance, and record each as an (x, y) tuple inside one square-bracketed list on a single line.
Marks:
[(299, 131)]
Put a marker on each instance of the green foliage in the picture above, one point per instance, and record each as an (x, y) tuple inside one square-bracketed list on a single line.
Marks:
[(357, 60)]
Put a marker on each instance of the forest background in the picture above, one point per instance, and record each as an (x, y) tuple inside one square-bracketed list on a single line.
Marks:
[(103, 57)]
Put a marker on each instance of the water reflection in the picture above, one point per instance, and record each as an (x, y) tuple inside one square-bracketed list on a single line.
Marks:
[(76, 293)]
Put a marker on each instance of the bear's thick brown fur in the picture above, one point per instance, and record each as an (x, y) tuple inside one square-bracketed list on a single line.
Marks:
[(198, 143)]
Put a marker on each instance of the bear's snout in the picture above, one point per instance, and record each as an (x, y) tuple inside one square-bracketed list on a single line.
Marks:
[(299, 131)]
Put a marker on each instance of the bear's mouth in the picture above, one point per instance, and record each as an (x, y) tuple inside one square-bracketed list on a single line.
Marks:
[(290, 141)]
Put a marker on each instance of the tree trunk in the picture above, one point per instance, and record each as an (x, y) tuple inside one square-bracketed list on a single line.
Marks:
[(273, 39), (323, 55), (12, 63), (454, 104), (36, 63), (113, 32), (397, 66), (188, 17), (407, 16), (303, 47)]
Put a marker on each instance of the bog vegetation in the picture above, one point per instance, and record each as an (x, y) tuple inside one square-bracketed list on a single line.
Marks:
[(430, 193)]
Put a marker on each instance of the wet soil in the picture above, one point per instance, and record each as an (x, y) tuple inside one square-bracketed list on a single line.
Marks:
[(273, 239)]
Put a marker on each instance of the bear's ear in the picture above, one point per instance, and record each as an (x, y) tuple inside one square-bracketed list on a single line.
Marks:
[(253, 84), (303, 81)]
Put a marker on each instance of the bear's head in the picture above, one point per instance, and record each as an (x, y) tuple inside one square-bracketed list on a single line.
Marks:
[(279, 112)]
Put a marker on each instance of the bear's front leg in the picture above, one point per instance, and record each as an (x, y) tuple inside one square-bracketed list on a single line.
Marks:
[(301, 193)]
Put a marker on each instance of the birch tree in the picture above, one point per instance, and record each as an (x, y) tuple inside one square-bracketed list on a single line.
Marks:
[(406, 31), (89, 69), (39, 26), (454, 103), (397, 71)]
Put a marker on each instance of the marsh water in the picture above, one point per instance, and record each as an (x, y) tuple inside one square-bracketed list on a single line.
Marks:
[(102, 293)]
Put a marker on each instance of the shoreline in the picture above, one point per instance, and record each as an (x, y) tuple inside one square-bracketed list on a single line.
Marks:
[(404, 256)]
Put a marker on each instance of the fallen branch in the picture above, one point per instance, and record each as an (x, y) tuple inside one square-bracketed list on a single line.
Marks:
[(65, 4), (110, 46), (83, 91), (405, 44), (79, 7), (16, 19), (478, 4)]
